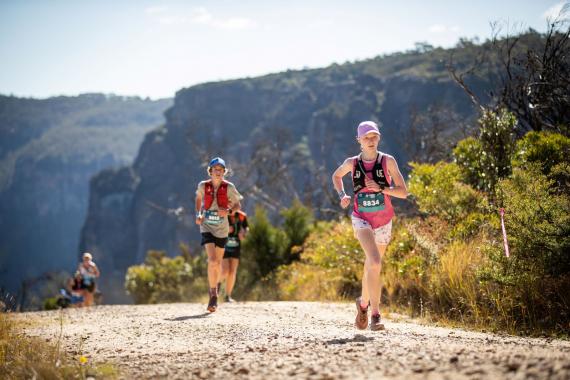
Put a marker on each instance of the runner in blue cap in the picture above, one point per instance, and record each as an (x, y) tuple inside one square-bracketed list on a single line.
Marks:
[(216, 198)]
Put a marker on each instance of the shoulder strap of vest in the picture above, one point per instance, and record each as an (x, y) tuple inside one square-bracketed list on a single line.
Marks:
[(378, 172)]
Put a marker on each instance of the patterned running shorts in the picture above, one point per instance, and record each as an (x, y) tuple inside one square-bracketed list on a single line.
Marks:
[(382, 234)]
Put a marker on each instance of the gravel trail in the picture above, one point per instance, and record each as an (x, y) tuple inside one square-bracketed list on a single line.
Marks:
[(280, 340)]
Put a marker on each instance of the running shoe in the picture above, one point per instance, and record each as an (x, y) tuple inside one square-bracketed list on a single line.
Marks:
[(375, 323), (229, 299), (213, 304), (361, 321)]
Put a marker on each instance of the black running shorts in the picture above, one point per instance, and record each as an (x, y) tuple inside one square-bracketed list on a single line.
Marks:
[(232, 253), (207, 237)]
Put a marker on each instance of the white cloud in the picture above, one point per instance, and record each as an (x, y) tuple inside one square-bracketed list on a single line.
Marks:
[(553, 12), (204, 17), (155, 10), (443, 29), (172, 20), (235, 23), (201, 16), (322, 23)]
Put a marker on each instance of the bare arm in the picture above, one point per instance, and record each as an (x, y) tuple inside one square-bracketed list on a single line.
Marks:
[(233, 208), (398, 189), (340, 172), (198, 208), (96, 270)]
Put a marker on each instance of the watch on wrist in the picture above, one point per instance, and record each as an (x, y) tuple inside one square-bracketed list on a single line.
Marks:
[(341, 194), (198, 214)]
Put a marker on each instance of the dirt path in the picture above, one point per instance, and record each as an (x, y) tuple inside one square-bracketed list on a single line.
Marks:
[(279, 340)]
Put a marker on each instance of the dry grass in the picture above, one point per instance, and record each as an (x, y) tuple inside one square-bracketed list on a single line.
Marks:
[(24, 357)]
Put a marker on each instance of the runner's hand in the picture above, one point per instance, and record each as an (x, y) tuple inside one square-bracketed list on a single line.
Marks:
[(371, 185), (345, 201), (200, 220)]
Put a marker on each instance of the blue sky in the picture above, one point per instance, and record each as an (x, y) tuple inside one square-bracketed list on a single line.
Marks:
[(154, 48)]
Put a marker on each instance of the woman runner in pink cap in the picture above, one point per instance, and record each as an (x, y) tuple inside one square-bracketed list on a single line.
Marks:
[(375, 178)]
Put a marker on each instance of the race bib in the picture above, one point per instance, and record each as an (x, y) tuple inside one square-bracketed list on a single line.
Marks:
[(212, 217), (232, 242), (370, 202)]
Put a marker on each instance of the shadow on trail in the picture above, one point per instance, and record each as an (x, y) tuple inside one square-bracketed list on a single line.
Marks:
[(357, 338), (197, 316)]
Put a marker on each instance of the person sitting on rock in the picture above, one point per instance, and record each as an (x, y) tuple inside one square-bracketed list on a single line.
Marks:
[(89, 272)]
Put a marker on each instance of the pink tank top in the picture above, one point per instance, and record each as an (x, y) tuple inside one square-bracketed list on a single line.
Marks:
[(375, 218)]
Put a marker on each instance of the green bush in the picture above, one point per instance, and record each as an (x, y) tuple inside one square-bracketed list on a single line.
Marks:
[(438, 191), (297, 223), (485, 160), (267, 247), (497, 136), (548, 149), (467, 154), (165, 279), (538, 223), (330, 267)]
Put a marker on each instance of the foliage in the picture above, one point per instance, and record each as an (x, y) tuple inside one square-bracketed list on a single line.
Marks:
[(166, 279), (538, 221), (405, 270), (437, 190), (264, 249), (548, 149), (485, 160), (330, 266), (297, 224), (267, 247)]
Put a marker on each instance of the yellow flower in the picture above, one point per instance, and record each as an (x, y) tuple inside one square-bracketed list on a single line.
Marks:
[(82, 359)]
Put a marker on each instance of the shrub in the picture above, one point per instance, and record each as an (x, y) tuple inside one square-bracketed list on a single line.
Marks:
[(165, 279), (330, 267), (297, 224), (404, 271), (538, 223), (438, 191), (467, 154), (485, 160), (267, 247), (547, 149)]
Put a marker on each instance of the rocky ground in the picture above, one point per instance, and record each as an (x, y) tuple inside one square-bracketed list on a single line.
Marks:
[(278, 340)]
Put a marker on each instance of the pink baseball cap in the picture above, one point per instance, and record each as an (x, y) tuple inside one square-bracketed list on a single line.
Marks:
[(367, 127)]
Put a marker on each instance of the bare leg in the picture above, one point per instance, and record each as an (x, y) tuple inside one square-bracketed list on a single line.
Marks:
[(231, 278), (215, 255), (372, 267), (382, 250), (88, 298), (225, 272)]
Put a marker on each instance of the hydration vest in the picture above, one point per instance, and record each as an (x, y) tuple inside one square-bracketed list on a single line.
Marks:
[(237, 222), (221, 195), (241, 217), (359, 174)]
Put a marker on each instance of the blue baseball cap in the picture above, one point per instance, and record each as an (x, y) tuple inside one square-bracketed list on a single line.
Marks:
[(217, 161)]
